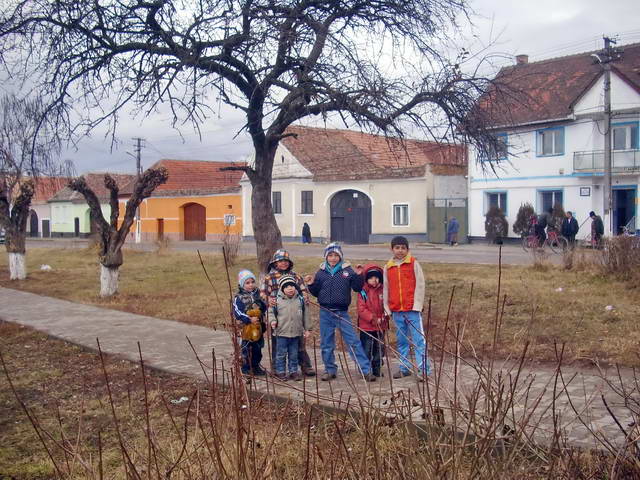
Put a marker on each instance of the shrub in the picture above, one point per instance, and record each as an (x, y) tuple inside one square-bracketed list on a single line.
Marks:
[(621, 257), (495, 224), (557, 216), (521, 225), (231, 246)]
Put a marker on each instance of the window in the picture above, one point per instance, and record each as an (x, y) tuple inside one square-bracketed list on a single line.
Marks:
[(306, 202), (499, 149), (550, 141), (400, 215), (549, 198), (625, 136), (276, 202), (496, 199)]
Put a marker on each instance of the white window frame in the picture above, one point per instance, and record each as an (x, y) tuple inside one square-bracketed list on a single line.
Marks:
[(487, 201), (628, 140), (408, 214), (557, 147)]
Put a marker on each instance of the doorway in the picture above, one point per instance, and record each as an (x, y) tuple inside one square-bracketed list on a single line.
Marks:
[(624, 209), (350, 217), (195, 222), (33, 224)]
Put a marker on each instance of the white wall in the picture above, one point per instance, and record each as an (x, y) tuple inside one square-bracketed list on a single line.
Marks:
[(622, 97)]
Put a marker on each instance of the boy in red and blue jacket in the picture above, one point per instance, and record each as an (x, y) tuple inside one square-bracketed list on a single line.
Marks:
[(403, 291), (373, 322)]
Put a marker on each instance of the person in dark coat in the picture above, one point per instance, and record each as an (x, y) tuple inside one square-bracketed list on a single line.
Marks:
[(569, 229), (306, 233), (597, 230), (452, 231)]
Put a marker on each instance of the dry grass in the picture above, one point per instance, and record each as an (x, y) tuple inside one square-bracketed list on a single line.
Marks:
[(542, 305)]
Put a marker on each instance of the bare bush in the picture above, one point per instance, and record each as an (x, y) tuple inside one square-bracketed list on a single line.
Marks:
[(163, 245), (620, 256), (231, 245)]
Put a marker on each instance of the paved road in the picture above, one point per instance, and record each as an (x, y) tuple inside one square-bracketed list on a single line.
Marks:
[(472, 253), (536, 395)]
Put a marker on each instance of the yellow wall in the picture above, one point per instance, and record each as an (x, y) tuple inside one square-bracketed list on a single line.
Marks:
[(171, 209)]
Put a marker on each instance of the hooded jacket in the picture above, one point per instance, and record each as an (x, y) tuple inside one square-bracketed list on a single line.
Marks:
[(371, 304), (334, 290), (270, 284)]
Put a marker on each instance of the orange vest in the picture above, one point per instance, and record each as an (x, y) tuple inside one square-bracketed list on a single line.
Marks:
[(401, 284)]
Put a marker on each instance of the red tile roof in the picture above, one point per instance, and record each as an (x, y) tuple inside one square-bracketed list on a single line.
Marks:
[(351, 155), (195, 177), (548, 90), (47, 187), (96, 182)]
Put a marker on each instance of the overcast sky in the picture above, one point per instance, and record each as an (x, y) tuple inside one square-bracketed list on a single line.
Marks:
[(541, 28)]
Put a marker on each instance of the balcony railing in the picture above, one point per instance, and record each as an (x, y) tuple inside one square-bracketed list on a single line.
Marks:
[(593, 161)]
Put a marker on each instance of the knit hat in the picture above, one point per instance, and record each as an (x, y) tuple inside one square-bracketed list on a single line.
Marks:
[(280, 254), (333, 247), (373, 273), (243, 276), (285, 280)]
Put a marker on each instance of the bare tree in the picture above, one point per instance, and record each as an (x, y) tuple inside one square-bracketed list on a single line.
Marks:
[(29, 148), (110, 237), (377, 63)]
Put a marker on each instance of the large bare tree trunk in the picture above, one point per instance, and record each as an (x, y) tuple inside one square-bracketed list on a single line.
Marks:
[(17, 266), (265, 228), (109, 281)]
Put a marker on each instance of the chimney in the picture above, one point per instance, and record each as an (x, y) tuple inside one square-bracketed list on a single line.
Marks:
[(522, 59)]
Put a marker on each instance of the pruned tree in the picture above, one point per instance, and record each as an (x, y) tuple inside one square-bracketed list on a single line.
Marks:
[(29, 148), (111, 238), (378, 65), (523, 219)]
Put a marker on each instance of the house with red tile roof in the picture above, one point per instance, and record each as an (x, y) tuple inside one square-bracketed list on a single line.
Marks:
[(199, 201), (70, 212), (39, 221), (552, 128), (355, 187)]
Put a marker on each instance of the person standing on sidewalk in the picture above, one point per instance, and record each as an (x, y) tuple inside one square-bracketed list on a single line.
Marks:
[(403, 291), (452, 230), (281, 264), (249, 310), (332, 285), (570, 229), (373, 322)]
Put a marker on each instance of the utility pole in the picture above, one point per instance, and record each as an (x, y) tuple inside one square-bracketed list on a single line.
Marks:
[(609, 54), (138, 150)]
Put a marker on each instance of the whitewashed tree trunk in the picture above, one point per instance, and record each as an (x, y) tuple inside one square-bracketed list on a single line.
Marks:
[(17, 266), (108, 281)]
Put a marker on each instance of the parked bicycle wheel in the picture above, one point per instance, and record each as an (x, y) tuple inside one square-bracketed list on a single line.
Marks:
[(558, 244)]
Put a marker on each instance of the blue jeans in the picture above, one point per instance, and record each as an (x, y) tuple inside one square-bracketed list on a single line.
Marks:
[(251, 355), (329, 321), (287, 348), (409, 331)]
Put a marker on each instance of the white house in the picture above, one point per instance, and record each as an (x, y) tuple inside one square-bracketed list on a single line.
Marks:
[(360, 188), (554, 134)]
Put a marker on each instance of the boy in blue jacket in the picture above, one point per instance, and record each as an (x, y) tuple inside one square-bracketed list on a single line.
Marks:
[(332, 285), (249, 310)]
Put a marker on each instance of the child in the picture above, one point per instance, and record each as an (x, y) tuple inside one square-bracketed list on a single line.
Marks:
[(281, 264), (332, 285), (289, 322), (372, 320), (249, 309), (403, 287)]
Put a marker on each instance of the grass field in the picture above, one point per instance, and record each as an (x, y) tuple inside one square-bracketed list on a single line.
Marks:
[(541, 305)]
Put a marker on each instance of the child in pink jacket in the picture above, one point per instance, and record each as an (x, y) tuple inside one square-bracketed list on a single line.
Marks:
[(372, 321)]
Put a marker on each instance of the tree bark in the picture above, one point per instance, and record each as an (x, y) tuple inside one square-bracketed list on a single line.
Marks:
[(109, 281), (265, 228), (17, 266)]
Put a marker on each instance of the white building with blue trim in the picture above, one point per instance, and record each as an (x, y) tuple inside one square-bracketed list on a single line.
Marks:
[(553, 136)]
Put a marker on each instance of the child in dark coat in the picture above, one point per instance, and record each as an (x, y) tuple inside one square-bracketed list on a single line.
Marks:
[(333, 284), (249, 310), (372, 320)]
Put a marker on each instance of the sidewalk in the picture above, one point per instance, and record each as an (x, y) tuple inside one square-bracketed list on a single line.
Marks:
[(165, 345)]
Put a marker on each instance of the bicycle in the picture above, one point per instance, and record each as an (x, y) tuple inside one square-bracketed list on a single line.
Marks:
[(556, 243)]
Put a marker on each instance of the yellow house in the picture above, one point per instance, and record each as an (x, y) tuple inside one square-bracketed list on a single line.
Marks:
[(199, 202)]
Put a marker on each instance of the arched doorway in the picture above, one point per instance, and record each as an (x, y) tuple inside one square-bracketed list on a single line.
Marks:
[(33, 224), (350, 217), (195, 222)]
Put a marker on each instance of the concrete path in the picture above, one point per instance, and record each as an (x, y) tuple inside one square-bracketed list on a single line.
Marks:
[(165, 345)]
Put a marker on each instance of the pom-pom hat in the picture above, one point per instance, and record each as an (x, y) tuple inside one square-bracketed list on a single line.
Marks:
[(243, 276), (335, 248)]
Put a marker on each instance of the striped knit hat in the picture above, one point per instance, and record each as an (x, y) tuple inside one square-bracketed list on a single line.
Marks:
[(333, 247), (243, 276)]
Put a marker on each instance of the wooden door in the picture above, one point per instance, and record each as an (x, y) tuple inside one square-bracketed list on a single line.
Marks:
[(160, 228), (33, 224), (350, 217), (46, 230), (195, 222)]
